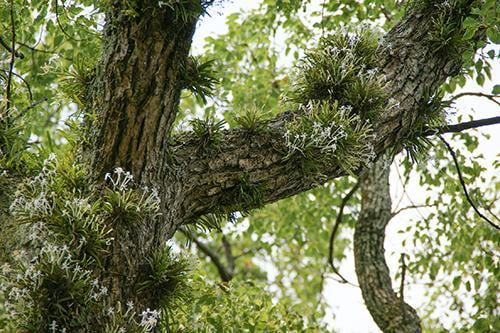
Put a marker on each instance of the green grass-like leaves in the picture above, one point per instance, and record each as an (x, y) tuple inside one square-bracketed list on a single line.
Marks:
[(200, 78), (207, 132), (328, 133), (166, 276), (343, 68)]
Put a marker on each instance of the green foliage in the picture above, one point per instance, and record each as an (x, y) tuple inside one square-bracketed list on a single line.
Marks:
[(185, 10), (207, 132), (166, 277), (200, 78), (253, 120), (328, 133), (447, 34), (212, 221), (75, 85), (458, 264), (238, 306), (248, 193), (58, 237), (13, 142), (127, 206), (431, 115), (290, 236), (50, 48), (342, 68)]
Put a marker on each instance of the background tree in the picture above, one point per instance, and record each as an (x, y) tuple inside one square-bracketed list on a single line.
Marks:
[(87, 226)]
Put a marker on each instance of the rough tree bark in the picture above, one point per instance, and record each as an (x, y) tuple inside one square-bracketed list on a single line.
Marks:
[(136, 93), (389, 311)]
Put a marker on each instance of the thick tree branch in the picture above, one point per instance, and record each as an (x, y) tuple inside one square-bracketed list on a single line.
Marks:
[(214, 177), (137, 88), (389, 311), (134, 94)]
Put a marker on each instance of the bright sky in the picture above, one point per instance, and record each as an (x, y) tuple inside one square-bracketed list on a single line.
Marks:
[(350, 314)]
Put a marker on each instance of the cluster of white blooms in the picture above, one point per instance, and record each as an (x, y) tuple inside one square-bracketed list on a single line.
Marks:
[(322, 136), (120, 179), (336, 52), (54, 327), (38, 205), (98, 290), (149, 319)]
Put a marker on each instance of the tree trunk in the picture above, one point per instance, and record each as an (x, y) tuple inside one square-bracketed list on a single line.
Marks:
[(389, 311), (135, 95)]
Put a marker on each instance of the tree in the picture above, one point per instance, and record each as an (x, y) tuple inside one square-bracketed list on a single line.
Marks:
[(88, 225)]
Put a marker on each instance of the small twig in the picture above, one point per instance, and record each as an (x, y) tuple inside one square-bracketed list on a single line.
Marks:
[(25, 83), (247, 251), (225, 274), (407, 195), (464, 187), (386, 14), (12, 55), (403, 184), (411, 207), (403, 273), (477, 94), (8, 48), (338, 221), (61, 26), (323, 18), (32, 105)]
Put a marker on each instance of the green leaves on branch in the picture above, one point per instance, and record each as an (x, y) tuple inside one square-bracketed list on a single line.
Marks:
[(431, 114), (338, 89), (76, 83), (63, 235), (166, 277), (342, 68), (199, 78), (328, 133), (207, 132), (252, 120)]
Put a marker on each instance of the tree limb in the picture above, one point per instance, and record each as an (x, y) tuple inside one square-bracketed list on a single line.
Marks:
[(477, 94), (411, 207), (455, 128), (389, 311), (464, 187), (338, 221), (226, 273), (241, 160)]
